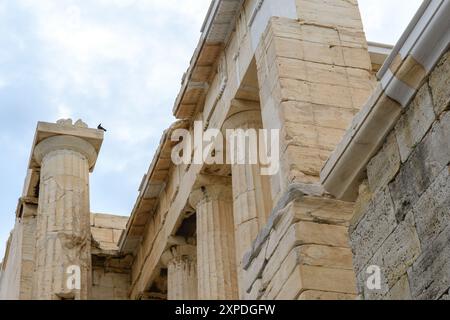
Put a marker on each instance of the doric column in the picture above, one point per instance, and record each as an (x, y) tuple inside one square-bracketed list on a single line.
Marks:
[(216, 257), (181, 262), (63, 261), (252, 201)]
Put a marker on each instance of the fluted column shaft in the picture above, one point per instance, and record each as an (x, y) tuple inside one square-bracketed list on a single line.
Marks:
[(252, 201), (63, 220), (181, 264), (216, 257)]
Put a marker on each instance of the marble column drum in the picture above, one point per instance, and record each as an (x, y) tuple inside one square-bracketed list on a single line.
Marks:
[(181, 262), (216, 257), (252, 201), (63, 220)]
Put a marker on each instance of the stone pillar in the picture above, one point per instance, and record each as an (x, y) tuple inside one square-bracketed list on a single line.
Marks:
[(181, 262), (216, 256), (314, 74), (63, 220), (252, 200)]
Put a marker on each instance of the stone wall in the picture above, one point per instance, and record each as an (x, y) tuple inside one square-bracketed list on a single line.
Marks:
[(16, 281), (314, 75), (106, 230), (109, 285), (110, 270), (402, 216), (303, 252)]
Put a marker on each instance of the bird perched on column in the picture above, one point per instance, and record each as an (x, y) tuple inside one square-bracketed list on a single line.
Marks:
[(101, 128)]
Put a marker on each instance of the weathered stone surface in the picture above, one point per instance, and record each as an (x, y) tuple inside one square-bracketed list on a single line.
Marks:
[(216, 250), (254, 272), (323, 295), (373, 229), (360, 207), (313, 255), (440, 84), (415, 123), (109, 285), (399, 251), (384, 166), (400, 291), (317, 278), (109, 221), (429, 277), (181, 273), (310, 209), (303, 233), (256, 291), (432, 211), (427, 161)]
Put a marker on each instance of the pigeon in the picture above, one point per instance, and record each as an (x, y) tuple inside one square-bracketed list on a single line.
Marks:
[(101, 128)]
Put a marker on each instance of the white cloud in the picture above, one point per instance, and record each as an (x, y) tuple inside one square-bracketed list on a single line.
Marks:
[(385, 20), (3, 82)]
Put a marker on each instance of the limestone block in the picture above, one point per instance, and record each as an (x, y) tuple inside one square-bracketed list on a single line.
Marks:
[(376, 225), (256, 291), (399, 251), (384, 166), (303, 233), (305, 162), (415, 123), (116, 235), (426, 162), (312, 255), (307, 51), (110, 221), (357, 57), (102, 235), (400, 291), (432, 211), (440, 84), (323, 295), (363, 201), (337, 13), (429, 277), (255, 270), (312, 136), (305, 113), (311, 209), (317, 278)]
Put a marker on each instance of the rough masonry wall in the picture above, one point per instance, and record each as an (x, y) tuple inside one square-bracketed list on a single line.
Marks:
[(402, 217)]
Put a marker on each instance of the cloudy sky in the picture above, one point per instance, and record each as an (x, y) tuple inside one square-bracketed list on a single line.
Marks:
[(118, 62)]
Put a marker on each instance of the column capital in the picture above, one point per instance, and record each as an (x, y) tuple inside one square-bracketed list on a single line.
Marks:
[(210, 188), (57, 143), (180, 252), (243, 119), (64, 135)]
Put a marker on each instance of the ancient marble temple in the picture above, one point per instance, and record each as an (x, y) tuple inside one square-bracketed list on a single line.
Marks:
[(362, 190)]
